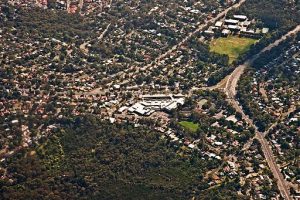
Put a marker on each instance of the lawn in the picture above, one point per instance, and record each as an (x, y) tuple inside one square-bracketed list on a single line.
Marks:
[(189, 126), (232, 46)]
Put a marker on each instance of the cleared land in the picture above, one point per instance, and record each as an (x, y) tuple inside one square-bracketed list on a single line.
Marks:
[(233, 46), (190, 126)]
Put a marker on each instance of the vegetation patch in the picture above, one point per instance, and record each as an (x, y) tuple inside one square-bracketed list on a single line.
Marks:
[(232, 46), (190, 126), (95, 160), (51, 153)]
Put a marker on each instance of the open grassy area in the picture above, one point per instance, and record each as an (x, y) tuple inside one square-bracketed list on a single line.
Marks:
[(190, 126), (233, 46)]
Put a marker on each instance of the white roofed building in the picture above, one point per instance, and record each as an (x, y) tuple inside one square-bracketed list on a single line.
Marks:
[(226, 32), (240, 17), (219, 24), (234, 27), (231, 21)]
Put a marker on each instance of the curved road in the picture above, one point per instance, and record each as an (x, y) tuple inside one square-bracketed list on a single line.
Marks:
[(230, 90)]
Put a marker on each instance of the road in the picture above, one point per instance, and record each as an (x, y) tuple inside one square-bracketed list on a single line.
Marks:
[(68, 5), (85, 50), (282, 117), (230, 91), (104, 32), (80, 5)]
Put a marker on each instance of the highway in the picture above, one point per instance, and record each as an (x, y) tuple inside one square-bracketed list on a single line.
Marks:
[(230, 91)]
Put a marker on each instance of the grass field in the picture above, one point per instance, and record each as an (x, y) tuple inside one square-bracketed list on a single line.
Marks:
[(232, 46), (190, 126)]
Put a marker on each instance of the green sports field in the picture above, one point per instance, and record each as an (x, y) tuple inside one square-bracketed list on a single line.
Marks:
[(190, 126), (233, 46)]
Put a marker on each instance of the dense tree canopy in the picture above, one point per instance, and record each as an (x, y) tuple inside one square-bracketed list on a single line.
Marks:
[(89, 159)]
